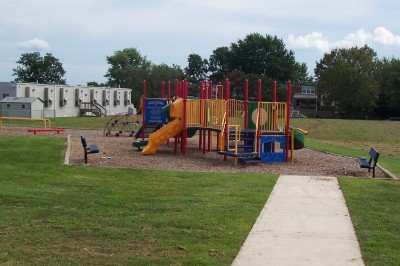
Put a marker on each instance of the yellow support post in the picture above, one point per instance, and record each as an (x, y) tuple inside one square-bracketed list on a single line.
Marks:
[(47, 123)]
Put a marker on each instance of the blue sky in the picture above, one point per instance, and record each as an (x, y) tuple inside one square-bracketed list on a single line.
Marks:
[(82, 33)]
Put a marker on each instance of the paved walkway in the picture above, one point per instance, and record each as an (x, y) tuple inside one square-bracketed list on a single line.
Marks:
[(304, 222)]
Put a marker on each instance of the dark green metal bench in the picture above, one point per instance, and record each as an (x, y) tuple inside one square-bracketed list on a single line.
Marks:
[(93, 148), (371, 163)]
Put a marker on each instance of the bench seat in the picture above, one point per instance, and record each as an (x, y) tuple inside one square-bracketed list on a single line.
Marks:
[(371, 163), (363, 162), (93, 148)]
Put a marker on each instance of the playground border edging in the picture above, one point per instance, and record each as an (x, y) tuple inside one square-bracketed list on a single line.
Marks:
[(68, 151)]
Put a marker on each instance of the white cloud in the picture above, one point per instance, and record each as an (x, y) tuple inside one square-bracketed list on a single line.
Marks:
[(34, 44), (385, 37), (317, 40)]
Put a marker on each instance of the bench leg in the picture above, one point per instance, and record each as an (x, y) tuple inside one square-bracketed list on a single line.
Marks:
[(373, 173), (85, 158)]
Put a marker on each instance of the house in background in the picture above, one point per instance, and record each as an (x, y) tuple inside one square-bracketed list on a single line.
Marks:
[(68, 101), (26, 107), (304, 98)]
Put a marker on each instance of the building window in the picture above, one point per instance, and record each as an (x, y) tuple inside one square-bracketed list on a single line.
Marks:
[(5, 95), (116, 98), (46, 97), (23, 106), (8, 106), (77, 98), (27, 92), (104, 97), (308, 90), (61, 96), (91, 95)]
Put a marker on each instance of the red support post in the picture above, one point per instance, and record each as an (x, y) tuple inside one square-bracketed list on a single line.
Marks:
[(169, 92), (288, 100), (219, 91), (184, 131), (246, 104), (258, 129), (210, 87), (200, 114), (176, 89), (205, 95), (144, 91), (176, 96), (227, 98), (274, 101)]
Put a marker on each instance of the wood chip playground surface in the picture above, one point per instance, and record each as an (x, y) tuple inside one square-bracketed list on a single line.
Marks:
[(118, 152)]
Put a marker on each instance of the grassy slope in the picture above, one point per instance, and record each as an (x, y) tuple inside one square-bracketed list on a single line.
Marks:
[(52, 214), (354, 138)]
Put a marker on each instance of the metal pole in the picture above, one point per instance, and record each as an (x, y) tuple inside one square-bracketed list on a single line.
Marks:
[(143, 109), (289, 87), (246, 104)]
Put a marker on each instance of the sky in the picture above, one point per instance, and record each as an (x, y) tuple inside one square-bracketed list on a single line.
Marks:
[(82, 33)]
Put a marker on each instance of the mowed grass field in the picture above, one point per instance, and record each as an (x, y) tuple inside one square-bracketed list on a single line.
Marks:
[(355, 138), (51, 214)]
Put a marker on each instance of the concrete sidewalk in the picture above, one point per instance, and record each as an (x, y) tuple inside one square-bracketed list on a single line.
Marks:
[(304, 222)]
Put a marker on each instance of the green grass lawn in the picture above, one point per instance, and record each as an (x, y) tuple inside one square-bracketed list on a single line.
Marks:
[(55, 215), (375, 211), (354, 138)]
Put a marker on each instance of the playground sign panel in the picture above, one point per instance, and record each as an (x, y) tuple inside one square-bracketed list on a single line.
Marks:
[(154, 114)]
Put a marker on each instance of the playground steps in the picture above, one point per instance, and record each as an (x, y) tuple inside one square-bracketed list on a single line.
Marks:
[(247, 155), (245, 152), (250, 161), (243, 147), (246, 143)]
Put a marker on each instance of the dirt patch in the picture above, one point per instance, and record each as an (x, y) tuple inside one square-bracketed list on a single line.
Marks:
[(118, 152)]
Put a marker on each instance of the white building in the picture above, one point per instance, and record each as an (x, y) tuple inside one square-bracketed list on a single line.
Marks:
[(67, 101)]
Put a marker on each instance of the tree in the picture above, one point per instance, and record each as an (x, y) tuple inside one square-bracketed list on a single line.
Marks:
[(349, 78), (301, 76), (95, 84), (44, 70), (128, 69), (160, 73), (389, 97), (263, 55), (257, 57), (219, 64), (197, 68)]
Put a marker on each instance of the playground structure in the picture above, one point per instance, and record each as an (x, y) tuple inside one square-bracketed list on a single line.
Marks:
[(122, 124), (249, 132)]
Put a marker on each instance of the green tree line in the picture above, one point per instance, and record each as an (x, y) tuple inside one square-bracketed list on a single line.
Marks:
[(348, 79)]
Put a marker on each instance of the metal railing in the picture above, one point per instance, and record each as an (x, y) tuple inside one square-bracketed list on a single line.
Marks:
[(47, 123)]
